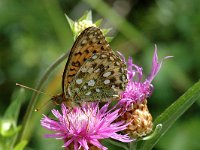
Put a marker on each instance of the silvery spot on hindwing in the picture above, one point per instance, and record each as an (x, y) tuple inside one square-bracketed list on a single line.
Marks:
[(93, 72), (88, 43), (102, 78)]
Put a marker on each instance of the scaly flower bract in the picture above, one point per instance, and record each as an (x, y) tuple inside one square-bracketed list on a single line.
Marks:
[(133, 103)]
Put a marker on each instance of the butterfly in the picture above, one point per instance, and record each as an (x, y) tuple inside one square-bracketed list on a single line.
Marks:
[(93, 71)]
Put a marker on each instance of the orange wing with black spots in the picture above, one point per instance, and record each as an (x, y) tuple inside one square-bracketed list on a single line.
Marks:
[(101, 78), (93, 72), (88, 43)]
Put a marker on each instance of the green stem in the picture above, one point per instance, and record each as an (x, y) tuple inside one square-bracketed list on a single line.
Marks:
[(132, 145), (58, 21), (119, 144), (155, 132), (25, 131), (119, 22), (172, 113)]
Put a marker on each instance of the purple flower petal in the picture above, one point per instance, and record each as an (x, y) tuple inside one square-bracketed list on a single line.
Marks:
[(84, 125), (137, 90), (156, 65), (97, 144), (68, 142), (84, 144), (122, 57)]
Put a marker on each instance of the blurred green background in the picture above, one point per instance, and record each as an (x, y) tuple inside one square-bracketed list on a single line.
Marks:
[(35, 33)]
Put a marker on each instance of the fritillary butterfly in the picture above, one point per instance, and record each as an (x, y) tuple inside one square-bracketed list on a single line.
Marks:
[(93, 71)]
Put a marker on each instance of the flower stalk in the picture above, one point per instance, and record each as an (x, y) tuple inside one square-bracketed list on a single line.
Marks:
[(24, 133)]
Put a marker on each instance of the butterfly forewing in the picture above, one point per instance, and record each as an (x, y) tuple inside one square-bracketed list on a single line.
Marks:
[(93, 71), (100, 78), (88, 43)]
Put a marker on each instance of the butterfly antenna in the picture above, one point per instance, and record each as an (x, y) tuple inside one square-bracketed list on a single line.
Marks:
[(42, 106), (29, 88), (32, 89)]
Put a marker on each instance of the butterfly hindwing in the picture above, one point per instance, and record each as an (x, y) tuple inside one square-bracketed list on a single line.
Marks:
[(88, 43), (100, 78)]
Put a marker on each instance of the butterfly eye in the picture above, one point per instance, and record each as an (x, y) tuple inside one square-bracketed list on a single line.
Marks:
[(58, 99)]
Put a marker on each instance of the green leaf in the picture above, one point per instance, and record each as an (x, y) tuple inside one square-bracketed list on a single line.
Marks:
[(8, 129), (117, 144), (105, 31), (109, 39), (8, 124), (86, 16), (21, 145), (98, 22), (12, 111), (172, 113), (71, 22)]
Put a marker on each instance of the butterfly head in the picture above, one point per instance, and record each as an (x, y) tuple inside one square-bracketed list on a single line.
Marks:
[(58, 99)]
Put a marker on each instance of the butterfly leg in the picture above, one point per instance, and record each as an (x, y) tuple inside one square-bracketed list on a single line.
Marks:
[(85, 113), (68, 121)]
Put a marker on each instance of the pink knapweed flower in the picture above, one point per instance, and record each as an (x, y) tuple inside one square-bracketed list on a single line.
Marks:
[(133, 103), (82, 127), (137, 90)]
